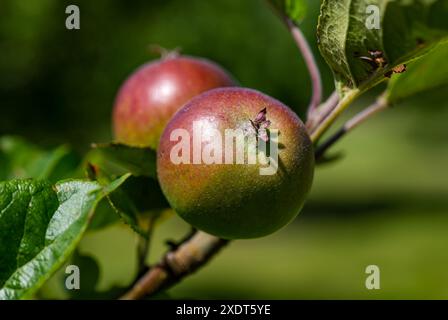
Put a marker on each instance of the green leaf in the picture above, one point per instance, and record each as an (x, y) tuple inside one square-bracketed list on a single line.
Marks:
[(295, 10), (138, 200), (145, 193), (124, 158), (91, 272), (123, 205), (20, 159), (89, 278), (408, 29), (429, 72), (104, 216), (40, 226)]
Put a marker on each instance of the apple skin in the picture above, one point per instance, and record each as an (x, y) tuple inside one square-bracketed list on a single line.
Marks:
[(233, 201), (153, 93)]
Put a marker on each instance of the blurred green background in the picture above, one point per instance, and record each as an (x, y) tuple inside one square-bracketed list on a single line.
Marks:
[(385, 203)]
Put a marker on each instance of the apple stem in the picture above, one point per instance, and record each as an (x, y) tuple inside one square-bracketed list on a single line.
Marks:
[(191, 254), (164, 52), (311, 64), (342, 104), (322, 111), (380, 104)]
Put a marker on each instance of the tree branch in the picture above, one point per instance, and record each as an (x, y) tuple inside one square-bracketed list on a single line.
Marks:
[(379, 105), (190, 255), (310, 62), (308, 57)]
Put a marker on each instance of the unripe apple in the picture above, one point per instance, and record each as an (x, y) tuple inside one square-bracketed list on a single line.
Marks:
[(213, 185), (153, 93)]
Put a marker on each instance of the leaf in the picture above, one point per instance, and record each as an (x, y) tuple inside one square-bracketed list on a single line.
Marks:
[(408, 29), (429, 72), (89, 279), (104, 216), (139, 199), (293, 9), (20, 159), (136, 160), (145, 193), (127, 211), (40, 226)]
